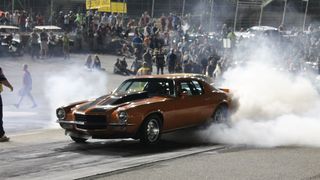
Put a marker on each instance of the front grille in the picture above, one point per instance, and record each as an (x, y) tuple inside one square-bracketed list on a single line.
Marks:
[(91, 121)]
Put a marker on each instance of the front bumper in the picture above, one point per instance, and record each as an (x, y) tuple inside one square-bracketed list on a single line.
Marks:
[(85, 123), (109, 130)]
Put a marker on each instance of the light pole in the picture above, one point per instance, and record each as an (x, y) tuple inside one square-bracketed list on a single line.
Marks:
[(305, 15), (284, 11), (123, 12), (152, 10), (51, 11), (12, 10), (236, 17), (183, 7), (123, 7), (211, 15), (261, 13)]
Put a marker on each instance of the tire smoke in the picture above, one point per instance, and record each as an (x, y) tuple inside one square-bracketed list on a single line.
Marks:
[(277, 108), (72, 85)]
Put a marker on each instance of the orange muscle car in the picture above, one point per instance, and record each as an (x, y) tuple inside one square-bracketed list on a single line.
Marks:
[(144, 107)]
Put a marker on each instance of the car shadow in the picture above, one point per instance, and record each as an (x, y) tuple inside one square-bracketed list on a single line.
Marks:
[(128, 147)]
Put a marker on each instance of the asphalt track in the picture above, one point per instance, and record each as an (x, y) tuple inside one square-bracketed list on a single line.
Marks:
[(48, 154)]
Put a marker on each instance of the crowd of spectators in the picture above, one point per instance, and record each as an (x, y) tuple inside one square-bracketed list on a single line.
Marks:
[(23, 19), (170, 41)]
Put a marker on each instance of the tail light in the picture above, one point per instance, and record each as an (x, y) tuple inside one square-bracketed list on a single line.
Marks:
[(225, 90)]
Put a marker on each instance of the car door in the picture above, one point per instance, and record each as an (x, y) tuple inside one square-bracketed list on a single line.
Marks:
[(201, 101), (185, 110)]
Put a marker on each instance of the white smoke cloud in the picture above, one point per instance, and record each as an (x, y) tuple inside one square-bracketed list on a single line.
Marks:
[(72, 85), (269, 93), (277, 108), (286, 130)]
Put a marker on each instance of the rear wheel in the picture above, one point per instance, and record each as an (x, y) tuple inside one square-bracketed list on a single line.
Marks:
[(151, 130), (221, 115), (78, 139)]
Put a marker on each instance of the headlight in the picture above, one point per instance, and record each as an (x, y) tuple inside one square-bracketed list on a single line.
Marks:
[(123, 117), (61, 113)]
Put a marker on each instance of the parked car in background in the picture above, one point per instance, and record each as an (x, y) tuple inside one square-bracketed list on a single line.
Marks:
[(56, 43), (145, 107), (10, 41), (258, 31)]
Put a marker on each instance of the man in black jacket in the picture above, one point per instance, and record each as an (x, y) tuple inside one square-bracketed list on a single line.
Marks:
[(5, 82), (172, 61)]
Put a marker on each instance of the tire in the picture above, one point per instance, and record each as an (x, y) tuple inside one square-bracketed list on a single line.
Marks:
[(221, 115), (150, 131), (78, 139)]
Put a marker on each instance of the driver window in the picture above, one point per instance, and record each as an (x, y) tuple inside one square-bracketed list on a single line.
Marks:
[(160, 87), (198, 90), (137, 86), (193, 88), (185, 87)]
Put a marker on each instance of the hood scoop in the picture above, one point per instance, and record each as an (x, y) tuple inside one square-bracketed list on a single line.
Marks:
[(92, 103), (130, 97), (114, 100)]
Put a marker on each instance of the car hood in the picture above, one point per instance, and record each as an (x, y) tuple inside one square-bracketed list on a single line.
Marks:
[(111, 101)]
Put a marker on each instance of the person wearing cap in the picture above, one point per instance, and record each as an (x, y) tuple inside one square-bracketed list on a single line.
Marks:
[(5, 82)]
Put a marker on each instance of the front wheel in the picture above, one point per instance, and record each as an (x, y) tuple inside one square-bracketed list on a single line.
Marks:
[(78, 139), (221, 115), (150, 130)]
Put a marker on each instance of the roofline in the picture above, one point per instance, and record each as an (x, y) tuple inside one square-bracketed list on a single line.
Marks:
[(168, 76)]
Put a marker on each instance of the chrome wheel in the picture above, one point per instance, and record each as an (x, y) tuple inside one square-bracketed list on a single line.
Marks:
[(150, 130), (153, 130), (221, 115)]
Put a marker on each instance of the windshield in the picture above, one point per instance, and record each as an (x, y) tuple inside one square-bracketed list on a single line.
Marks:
[(151, 86)]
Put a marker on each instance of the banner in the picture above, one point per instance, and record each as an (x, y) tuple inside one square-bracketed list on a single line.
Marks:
[(116, 7), (93, 4), (105, 4)]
